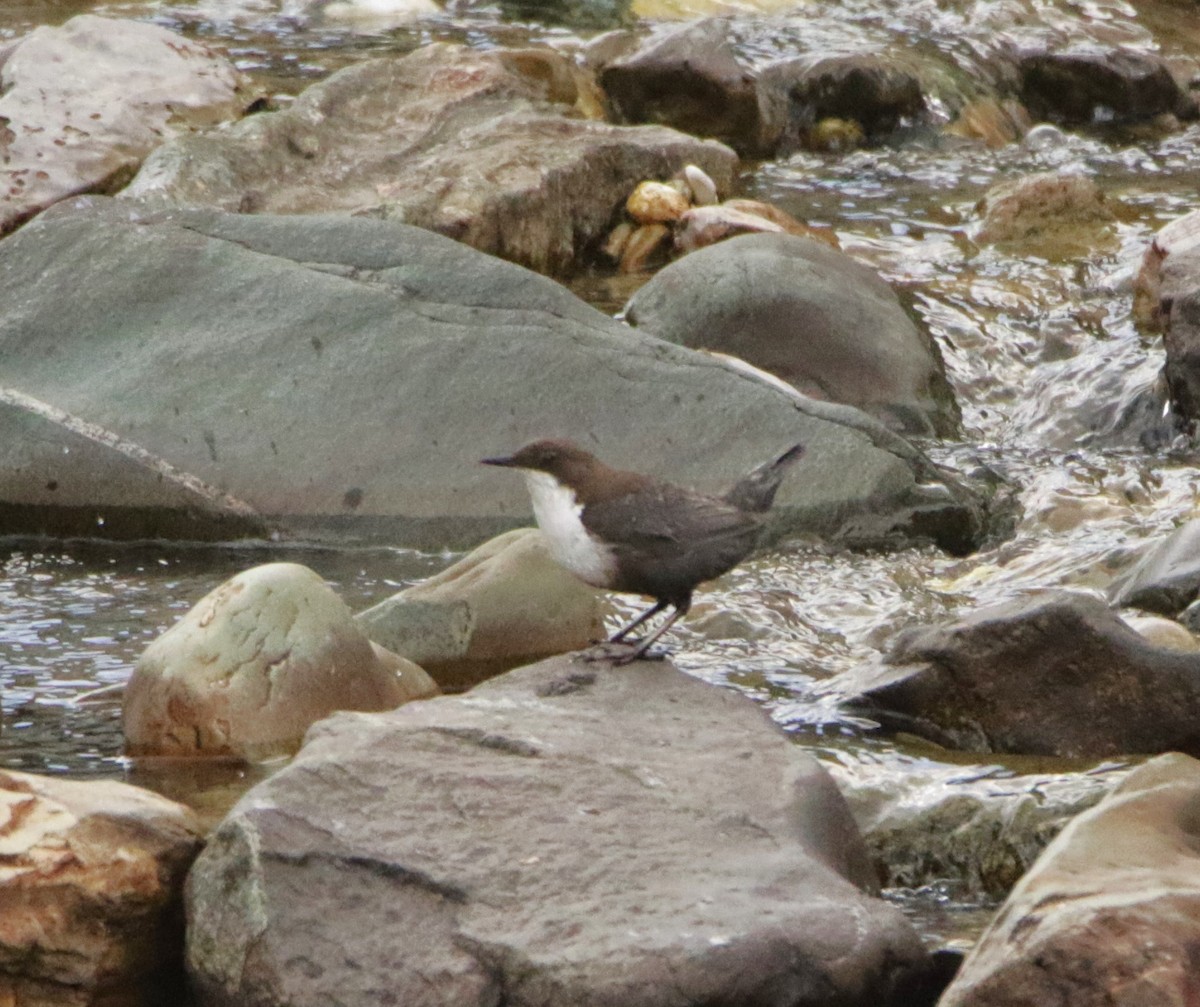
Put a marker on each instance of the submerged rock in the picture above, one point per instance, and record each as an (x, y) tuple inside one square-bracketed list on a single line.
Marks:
[(484, 147), (1059, 674), (91, 883), (1110, 914), (1167, 578), (1057, 213), (130, 86), (808, 314), (343, 377), (254, 664), (505, 603), (569, 833)]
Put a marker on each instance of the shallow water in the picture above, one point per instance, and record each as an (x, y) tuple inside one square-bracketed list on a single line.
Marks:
[(1038, 341)]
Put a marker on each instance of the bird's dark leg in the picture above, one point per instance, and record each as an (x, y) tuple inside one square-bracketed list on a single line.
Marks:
[(650, 613), (639, 651)]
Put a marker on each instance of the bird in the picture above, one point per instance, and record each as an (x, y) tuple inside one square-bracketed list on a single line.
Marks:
[(632, 533)]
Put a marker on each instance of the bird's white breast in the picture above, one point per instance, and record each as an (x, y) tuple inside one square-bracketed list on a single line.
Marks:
[(558, 514)]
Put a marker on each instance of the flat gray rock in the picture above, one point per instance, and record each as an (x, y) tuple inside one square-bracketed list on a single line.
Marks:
[(342, 377), (566, 834)]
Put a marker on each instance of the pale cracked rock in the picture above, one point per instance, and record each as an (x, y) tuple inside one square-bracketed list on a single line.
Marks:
[(91, 879), (1110, 913), (505, 603), (254, 664), (130, 87)]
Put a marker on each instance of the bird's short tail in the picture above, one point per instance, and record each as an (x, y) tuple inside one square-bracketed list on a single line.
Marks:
[(755, 491)]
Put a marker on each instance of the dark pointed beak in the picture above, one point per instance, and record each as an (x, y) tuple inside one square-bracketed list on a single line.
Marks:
[(504, 462)]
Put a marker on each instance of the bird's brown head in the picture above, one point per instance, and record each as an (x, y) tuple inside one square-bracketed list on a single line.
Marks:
[(563, 459)]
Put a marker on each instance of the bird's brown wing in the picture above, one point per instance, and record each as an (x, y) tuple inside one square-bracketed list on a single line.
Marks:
[(669, 539)]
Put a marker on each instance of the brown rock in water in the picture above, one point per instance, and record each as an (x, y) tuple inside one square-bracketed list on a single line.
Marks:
[(1087, 85), (1110, 913), (253, 665), (1166, 299), (692, 79), (1059, 212), (505, 603), (130, 85), (482, 147), (1059, 674), (568, 833), (91, 884)]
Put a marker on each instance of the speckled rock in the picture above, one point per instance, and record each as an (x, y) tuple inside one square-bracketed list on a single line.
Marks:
[(131, 86), (254, 664)]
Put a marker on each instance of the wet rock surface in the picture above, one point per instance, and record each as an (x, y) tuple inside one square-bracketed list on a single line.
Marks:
[(566, 833), (486, 148), (808, 314), (1110, 913), (91, 891), (131, 86), (254, 664), (1055, 675), (279, 356), (505, 603), (1167, 578)]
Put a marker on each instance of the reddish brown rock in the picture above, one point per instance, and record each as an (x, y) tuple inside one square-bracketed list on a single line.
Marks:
[(91, 881), (131, 86)]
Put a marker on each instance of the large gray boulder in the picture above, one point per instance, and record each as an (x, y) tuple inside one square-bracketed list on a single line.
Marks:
[(1110, 913), (485, 147), (130, 85), (809, 314), (568, 834), (343, 377), (1058, 674)]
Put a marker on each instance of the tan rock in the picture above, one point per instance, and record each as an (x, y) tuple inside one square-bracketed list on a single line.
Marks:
[(254, 664), (996, 123), (775, 215), (1057, 213), (91, 881), (131, 86), (1110, 913), (1161, 632), (656, 203), (646, 242), (503, 604), (1179, 241)]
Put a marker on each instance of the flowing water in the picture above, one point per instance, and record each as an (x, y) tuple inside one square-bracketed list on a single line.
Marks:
[(1039, 343)]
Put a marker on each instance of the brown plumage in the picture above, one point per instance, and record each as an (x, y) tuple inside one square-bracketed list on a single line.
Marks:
[(624, 531)]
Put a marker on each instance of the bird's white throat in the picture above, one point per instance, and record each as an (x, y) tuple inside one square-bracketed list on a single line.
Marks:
[(558, 514)]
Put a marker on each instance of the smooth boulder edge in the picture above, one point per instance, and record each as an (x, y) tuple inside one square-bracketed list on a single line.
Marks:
[(568, 833), (342, 377)]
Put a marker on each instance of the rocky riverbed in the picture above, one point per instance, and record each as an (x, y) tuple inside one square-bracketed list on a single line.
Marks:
[(280, 276)]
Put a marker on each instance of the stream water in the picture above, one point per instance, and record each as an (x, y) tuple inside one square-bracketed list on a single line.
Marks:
[(1039, 344)]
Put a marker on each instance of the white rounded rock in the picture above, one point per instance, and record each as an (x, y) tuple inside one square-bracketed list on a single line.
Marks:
[(254, 664)]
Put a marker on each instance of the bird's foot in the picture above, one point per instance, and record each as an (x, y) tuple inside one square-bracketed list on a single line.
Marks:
[(623, 652)]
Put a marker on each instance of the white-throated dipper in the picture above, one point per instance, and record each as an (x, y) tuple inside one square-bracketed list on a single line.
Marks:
[(623, 531)]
